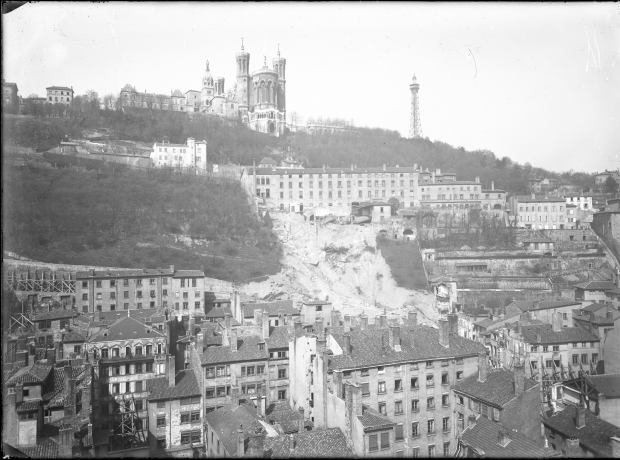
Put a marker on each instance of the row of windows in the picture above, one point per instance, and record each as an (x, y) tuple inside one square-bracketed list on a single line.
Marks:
[(554, 218), (463, 189), (152, 293), (330, 194), (138, 351), (412, 367), (177, 158), (349, 175), (382, 440), (62, 93), (472, 196), (152, 282), (398, 383), (174, 150), (540, 208), (265, 181)]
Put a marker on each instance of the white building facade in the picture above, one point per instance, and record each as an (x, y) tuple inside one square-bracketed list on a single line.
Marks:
[(193, 155)]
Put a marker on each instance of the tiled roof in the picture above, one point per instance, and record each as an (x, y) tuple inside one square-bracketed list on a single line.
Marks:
[(247, 350), (54, 314), (185, 385), (596, 285), (318, 301), (218, 312), (37, 373), (124, 329), (271, 307), (226, 421), (123, 273), (59, 87), (594, 435), (47, 448), (594, 306), (528, 305), (329, 443), (367, 352), (54, 386), (548, 335), (278, 338), (267, 161), (608, 384), (59, 390), (327, 170), (188, 273), (75, 336), (27, 406), (284, 415), (511, 312), (484, 436), (372, 420), (497, 389)]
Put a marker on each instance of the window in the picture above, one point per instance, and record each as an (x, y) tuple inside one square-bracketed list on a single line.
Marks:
[(365, 372), (281, 373), (381, 388), (414, 382), (365, 389), (385, 440), (430, 380), (584, 359), (104, 352), (382, 408), (98, 284), (545, 348), (372, 443), (446, 449), (415, 429), (430, 402), (398, 385), (398, 407), (210, 392), (496, 414), (186, 437), (415, 405), (431, 425), (484, 410), (399, 435), (149, 367), (594, 358), (444, 378), (139, 386), (281, 395), (445, 400), (84, 296), (381, 369), (161, 421)]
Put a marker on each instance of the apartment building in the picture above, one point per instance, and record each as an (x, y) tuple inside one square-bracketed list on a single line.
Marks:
[(192, 154), (493, 199), (297, 189), (542, 212), (451, 195), (59, 95), (175, 414), (10, 97), (125, 355), (277, 312), (187, 293), (388, 388), (502, 396)]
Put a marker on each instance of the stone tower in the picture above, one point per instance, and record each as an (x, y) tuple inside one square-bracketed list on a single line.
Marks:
[(279, 65), (207, 88), (243, 95)]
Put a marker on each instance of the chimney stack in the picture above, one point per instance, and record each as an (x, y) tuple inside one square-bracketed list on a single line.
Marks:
[(557, 321), (453, 322), (192, 325), (444, 333), (234, 396), (240, 442), (482, 367), (19, 392), (471, 421), (347, 323), (394, 338), (259, 404), (233, 340), (298, 329), (363, 322), (291, 444), (318, 327), (171, 370), (492, 185), (573, 450), (257, 440), (346, 348), (503, 437), (265, 325), (302, 421), (65, 449), (412, 317), (519, 378), (383, 319), (580, 419)]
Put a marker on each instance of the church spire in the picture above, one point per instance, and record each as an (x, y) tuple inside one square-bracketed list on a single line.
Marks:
[(278, 51), (207, 65), (241, 43)]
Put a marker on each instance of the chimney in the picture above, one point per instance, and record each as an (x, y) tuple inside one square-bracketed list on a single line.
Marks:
[(492, 185), (291, 444), (580, 419), (265, 324), (257, 440), (363, 322), (65, 449), (384, 167), (502, 437), (557, 321), (519, 378), (97, 317), (346, 348), (233, 340), (240, 442), (259, 404), (615, 446), (574, 451), (337, 383), (471, 421), (192, 326), (335, 318), (482, 367), (298, 329), (394, 338), (19, 392), (31, 360), (318, 327), (412, 317), (383, 319), (453, 322), (444, 333), (302, 421), (477, 179), (172, 269), (234, 396), (538, 338), (347, 323), (171, 370)]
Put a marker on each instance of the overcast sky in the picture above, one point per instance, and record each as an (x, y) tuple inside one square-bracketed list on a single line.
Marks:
[(539, 83)]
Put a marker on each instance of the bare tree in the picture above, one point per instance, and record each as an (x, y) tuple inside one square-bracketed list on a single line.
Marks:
[(109, 101)]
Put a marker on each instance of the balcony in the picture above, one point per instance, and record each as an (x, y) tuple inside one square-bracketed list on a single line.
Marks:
[(131, 357)]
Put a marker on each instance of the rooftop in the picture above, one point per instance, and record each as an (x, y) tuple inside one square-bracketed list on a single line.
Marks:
[(529, 305), (54, 314), (185, 386), (484, 436), (227, 420), (373, 420), (37, 373), (247, 350), (126, 328), (125, 273), (366, 347), (280, 412), (272, 308), (497, 389), (596, 286), (593, 436), (278, 337), (310, 444), (548, 335)]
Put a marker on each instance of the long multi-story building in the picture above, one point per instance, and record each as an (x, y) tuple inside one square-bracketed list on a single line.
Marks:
[(59, 95), (388, 388), (530, 211), (180, 291), (192, 154)]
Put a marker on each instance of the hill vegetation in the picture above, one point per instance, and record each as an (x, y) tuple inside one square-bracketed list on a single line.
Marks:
[(110, 215)]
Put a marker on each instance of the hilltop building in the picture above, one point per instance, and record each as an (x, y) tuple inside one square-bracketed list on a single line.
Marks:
[(59, 95), (192, 154)]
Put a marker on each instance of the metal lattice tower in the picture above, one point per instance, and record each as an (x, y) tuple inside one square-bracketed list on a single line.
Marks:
[(129, 431), (415, 126)]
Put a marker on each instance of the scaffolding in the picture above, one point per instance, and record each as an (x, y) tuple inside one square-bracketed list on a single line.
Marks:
[(39, 282), (129, 429)]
